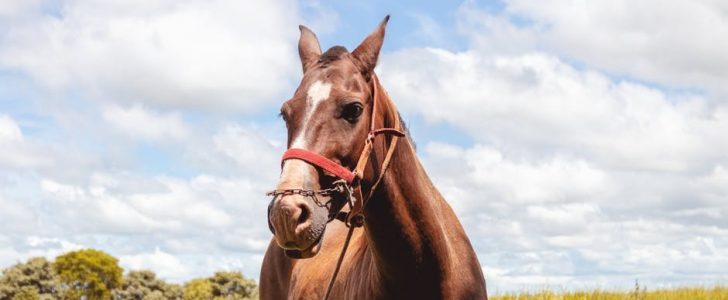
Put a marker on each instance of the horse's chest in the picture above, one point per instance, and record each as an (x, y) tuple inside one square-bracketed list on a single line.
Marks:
[(310, 277), (308, 281)]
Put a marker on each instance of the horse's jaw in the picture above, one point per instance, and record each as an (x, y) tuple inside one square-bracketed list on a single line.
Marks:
[(309, 252)]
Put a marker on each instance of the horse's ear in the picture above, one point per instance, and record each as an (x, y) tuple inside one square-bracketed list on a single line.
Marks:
[(308, 48), (366, 54)]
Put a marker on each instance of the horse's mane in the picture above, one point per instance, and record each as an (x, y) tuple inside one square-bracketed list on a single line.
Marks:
[(405, 129)]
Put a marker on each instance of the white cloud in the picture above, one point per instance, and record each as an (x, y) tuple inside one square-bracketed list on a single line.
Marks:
[(15, 150), (676, 43), (516, 182), (248, 149), (12, 8), (539, 104), (14, 250), (140, 122), (165, 264), (714, 185), (18, 216), (559, 179), (62, 192), (567, 223), (218, 54), (9, 130), (203, 202)]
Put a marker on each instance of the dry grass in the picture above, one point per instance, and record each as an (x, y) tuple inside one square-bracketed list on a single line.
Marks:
[(692, 293)]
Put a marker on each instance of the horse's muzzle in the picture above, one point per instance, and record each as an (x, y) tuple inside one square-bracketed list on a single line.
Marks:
[(296, 225)]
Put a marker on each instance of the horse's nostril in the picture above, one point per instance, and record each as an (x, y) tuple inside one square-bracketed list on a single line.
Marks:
[(305, 213)]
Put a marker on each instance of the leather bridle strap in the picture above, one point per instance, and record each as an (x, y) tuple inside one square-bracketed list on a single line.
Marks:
[(355, 217), (320, 161)]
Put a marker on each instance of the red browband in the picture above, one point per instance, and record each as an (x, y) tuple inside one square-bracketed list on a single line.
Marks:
[(320, 161)]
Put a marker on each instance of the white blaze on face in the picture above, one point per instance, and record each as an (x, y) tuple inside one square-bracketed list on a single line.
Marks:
[(294, 171), (317, 93)]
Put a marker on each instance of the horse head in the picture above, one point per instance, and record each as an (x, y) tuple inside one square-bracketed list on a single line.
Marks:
[(328, 115)]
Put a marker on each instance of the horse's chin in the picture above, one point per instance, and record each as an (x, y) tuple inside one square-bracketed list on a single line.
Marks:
[(309, 252)]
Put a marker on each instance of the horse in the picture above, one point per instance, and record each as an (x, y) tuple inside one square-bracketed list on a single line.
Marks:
[(347, 167)]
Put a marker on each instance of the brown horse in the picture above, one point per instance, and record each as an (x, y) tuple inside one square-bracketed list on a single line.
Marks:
[(412, 245)]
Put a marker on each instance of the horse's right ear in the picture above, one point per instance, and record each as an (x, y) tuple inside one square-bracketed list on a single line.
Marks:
[(308, 48)]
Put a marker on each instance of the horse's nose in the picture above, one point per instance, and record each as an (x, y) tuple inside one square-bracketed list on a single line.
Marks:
[(289, 217), (297, 212)]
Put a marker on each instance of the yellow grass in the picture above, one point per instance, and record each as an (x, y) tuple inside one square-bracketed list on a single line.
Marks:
[(693, 293)]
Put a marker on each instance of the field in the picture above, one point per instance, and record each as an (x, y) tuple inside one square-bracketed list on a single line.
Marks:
[(693, 293)]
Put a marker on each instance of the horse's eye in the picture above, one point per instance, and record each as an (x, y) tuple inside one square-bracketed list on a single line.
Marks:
[(352, 111), (284, 113), (283, 116)]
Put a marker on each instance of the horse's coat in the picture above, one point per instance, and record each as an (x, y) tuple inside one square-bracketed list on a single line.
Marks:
[(412, 245)]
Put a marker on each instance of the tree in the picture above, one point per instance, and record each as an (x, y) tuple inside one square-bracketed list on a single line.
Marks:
[(94, 275), (221, 286), (198, 289), (143, 285), (88, 273), (232, 285), (27, 293), (34, 279)]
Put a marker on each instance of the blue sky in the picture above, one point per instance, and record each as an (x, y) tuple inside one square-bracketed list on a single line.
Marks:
[(581, 144)]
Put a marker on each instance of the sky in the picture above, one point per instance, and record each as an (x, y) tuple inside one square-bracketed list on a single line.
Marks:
[(582, 144)]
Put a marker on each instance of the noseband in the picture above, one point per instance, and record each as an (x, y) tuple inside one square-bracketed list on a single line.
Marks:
[(350, 180)]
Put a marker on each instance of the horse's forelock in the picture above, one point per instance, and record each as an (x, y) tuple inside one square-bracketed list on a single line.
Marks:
[(333, 54)]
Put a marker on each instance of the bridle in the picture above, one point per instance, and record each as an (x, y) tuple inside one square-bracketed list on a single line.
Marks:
[(349, 180)]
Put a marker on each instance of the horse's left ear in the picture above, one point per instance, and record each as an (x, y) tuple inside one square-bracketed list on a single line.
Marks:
[(366, 54)]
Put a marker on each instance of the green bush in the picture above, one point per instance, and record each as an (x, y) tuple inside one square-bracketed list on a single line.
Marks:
[(96, 275)]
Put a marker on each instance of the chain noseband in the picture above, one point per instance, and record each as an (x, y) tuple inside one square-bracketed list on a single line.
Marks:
[(340, 187), (340, 190)]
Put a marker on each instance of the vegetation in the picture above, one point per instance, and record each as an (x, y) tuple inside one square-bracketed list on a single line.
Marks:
[(143, 285), (95, 275), (34, 279), (88, 274), (687, 293), (92, 274), (221, 286)]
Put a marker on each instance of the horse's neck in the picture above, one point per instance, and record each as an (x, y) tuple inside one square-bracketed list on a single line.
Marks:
[(407, 224)]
